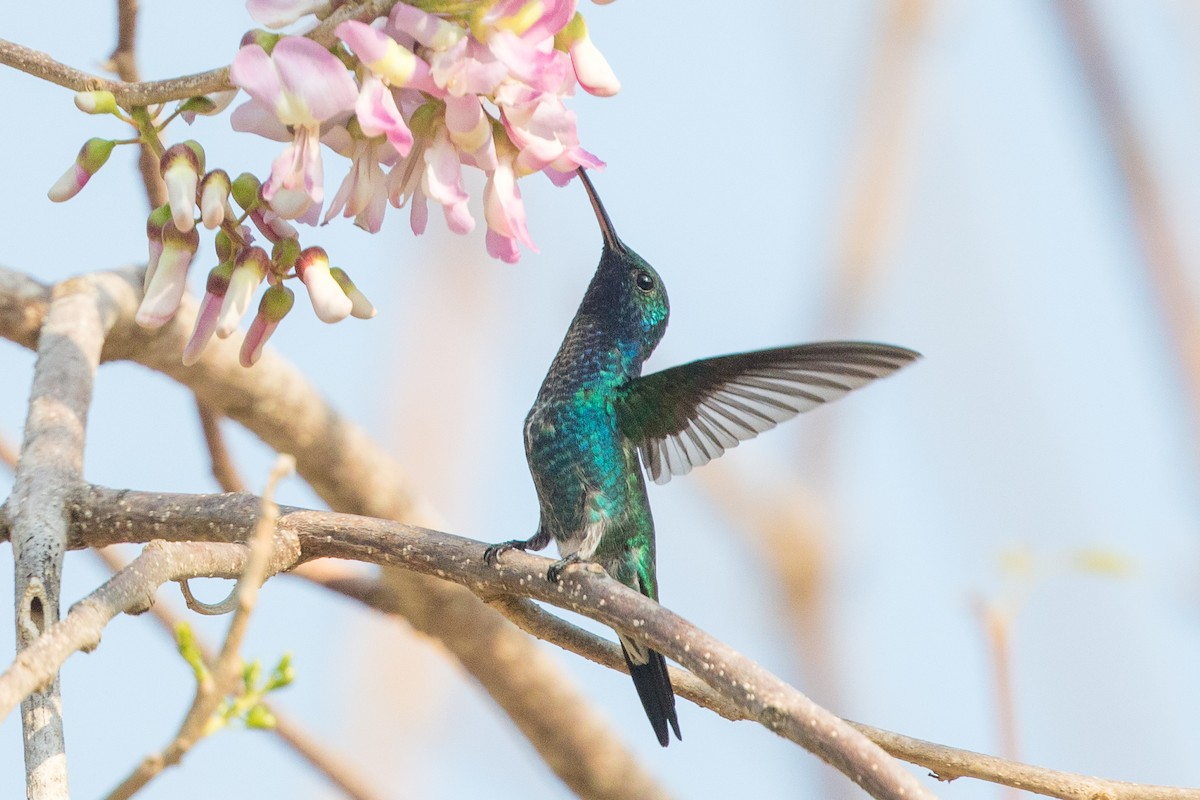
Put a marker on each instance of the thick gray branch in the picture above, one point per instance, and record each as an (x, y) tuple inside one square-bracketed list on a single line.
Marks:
[(49, 471), (104, 516), (756, 693)]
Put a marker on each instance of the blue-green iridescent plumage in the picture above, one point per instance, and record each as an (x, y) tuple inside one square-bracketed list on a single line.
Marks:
[(596, 423)]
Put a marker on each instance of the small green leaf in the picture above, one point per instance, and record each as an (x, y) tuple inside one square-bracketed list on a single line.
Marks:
[(190, 651), (251, 674), (260, 717), (282, 675)]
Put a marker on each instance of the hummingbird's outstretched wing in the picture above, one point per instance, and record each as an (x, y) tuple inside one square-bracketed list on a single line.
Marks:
[(686, 416)]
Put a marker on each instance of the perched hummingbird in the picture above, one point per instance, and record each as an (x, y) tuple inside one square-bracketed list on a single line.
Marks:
[(596, 415)]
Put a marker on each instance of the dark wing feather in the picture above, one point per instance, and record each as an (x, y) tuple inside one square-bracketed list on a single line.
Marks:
[(686, 416)]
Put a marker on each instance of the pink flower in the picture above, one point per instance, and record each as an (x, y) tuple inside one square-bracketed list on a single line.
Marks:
[(543, 128), (363, 194), (504, 211), (377, 115), (385, 57), (514, 15), (431, 171), (304, 85), (471, 131)]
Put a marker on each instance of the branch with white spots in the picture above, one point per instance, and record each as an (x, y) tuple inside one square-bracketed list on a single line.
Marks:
[(721, 679), (144, 93)]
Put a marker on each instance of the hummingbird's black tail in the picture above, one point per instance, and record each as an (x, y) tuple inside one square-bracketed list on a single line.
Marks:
[(654, 689)]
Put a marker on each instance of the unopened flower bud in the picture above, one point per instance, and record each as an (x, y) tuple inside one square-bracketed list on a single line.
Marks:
[(214, 196), (276, 302), (170, 277), (91, 158), (284, 255), (264, 39), (206, 105), (154, 228), (328, 300), (248, 272), (181, 166), (99, 102), (245, 190), (361, 307), (210, 309)]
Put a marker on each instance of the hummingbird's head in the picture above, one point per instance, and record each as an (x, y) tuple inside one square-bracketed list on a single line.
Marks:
[(626, 291)]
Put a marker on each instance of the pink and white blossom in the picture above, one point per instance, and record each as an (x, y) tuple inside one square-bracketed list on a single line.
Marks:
[(378, 115), (363, 194), (304, 85), (504, 212), (385, 57)]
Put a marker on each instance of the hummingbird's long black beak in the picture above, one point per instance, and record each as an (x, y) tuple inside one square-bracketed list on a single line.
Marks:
[(611, 242)]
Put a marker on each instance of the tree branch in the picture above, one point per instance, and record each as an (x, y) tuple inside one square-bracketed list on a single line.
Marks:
[(105, 516), (49, 470), (223, 468), (129, 95)]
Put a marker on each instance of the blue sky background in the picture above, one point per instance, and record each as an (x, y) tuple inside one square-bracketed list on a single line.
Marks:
[(1048, 418)]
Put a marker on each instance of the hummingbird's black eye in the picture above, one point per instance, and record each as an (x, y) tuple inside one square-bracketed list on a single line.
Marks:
[(644, 280)]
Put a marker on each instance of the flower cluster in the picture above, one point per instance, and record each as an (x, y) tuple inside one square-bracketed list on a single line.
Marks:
[(425, 95), (410, 100)]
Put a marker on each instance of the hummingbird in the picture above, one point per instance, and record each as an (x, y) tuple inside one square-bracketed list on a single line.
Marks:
[(598, 423)]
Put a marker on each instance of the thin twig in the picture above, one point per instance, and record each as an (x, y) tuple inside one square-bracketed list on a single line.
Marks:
[(997, 628), (221, 678), (123, 62), (223, 468), (1169, 273), (48, 472), (8, 453), (129, 95)]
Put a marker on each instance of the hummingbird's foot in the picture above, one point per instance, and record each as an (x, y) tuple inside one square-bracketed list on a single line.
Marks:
[(494, 551), (535, 542), (554, 574)]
